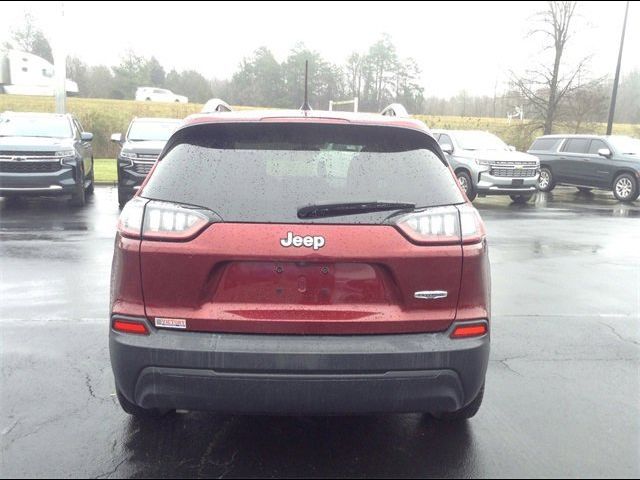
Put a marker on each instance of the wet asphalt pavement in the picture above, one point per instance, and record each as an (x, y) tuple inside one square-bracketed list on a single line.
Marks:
[(563, 386)]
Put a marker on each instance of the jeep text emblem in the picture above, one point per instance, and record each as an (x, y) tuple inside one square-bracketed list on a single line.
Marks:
[(298, 241)]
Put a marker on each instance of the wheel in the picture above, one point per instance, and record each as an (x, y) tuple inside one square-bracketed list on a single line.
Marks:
[(136, 411), (79, 197), (465, 412), (546, 183), (123, 198), (521, 198), (584, 190), (465, 182), (90, 188), (625, 188)]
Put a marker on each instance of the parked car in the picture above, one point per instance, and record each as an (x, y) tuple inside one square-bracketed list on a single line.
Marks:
[(216, 105), (590, 161), (153, 94), (45, 154), (140, 148), (485, 165), (300, 262)]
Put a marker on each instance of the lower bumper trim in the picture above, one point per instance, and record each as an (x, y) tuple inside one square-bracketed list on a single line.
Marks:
[(291, 394), (506, 190), (52, 188)]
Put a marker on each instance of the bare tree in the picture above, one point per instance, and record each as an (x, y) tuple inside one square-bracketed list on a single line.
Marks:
[(30, 38), (353, 71), (546, 86), (585, 106)]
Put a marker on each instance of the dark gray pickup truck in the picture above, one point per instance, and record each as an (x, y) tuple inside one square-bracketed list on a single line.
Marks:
[(590, 161), (45, 154)]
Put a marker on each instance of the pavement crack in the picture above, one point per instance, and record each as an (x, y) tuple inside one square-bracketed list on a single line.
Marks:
[(620, 337), (505, 363), (87, 382), (114, 470), (229, 464), (205, 458), (9, 429), (508, 367), (40, 426)]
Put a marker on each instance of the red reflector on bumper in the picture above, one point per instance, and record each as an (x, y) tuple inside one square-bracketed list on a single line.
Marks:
[(137, 328), (466, 331)]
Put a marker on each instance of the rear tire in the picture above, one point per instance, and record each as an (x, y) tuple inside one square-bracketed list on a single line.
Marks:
[(464, 179), (139, 412), (90, 188), (79, 197), (465, 412), (625, 188), (546, 182), (520, 198)]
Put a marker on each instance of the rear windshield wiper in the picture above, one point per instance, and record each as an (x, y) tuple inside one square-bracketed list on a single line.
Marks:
[(351, 208)]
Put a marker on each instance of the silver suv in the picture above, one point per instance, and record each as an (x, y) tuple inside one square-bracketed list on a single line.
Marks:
[(485, 165)]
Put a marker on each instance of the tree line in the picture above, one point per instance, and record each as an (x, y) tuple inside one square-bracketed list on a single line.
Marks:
[(377, 77)]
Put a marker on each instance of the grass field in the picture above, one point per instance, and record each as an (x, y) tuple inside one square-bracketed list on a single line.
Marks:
[(105, 170), (103, 117)]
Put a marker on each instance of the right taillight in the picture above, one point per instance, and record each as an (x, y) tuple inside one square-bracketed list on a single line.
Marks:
[(156, 220), (471, 226), (470, 330), (443, 225)]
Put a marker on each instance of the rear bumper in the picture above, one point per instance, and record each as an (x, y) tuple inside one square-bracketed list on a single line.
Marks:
[(295, 374)]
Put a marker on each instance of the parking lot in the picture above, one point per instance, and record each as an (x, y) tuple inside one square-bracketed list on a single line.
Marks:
[(562, 387)]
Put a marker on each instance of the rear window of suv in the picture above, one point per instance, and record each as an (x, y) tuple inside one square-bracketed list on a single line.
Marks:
[(264, 173), (577, 145), (545, 144)]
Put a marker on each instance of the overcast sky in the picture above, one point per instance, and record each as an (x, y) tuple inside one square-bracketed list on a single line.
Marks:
[(459, 45)]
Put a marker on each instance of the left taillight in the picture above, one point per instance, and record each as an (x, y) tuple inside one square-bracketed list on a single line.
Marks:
[(155, 220), (131, 216)]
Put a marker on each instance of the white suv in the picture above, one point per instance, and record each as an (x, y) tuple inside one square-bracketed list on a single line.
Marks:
[(152, 94)]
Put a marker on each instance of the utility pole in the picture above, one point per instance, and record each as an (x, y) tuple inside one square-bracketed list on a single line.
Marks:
[(60, 63), (614, 93)]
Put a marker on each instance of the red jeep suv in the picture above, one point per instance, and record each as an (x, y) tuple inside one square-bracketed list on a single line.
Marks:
[(300, 262)]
